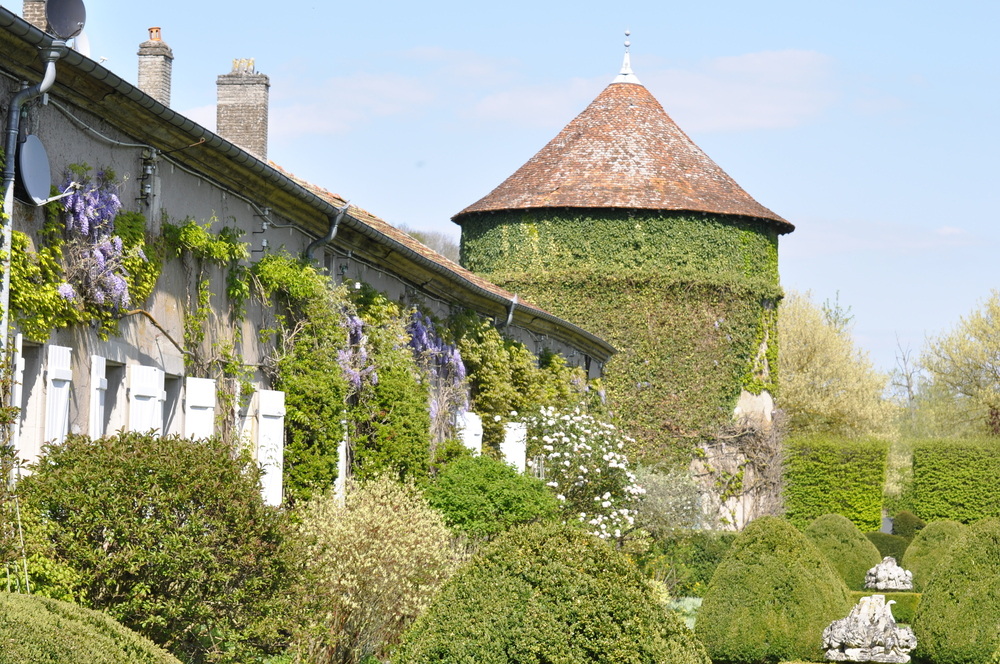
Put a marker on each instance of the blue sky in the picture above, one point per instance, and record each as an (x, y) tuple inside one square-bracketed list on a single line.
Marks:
[(872, 126)]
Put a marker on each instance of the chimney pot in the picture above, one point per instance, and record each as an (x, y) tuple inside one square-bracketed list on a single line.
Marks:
[(154, 34)]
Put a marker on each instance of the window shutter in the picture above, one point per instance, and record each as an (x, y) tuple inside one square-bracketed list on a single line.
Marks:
[(145, 398), (271, 442), (98, 395), (58, 389), (199, 407)]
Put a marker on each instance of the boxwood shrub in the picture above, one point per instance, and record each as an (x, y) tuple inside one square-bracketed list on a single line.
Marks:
[(889, 545), (851, 553), (39, 629), (928, 548), (770, 598), (958, 620), (549, 593)]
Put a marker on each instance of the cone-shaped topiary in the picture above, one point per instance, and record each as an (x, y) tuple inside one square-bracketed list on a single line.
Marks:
[(549, 593), (958, 619), (771, 598), (848, 550), (39, 629), (907, 524), (928, 548)]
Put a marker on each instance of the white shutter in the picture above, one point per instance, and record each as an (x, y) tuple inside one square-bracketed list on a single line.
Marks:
[(98, 395), (145, 398), (470, 430), (199, 407), (59, 382), (17, 393), (515, 444), (271, 442)]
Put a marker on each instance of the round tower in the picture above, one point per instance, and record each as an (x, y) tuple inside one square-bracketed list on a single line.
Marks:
[(622, 225)]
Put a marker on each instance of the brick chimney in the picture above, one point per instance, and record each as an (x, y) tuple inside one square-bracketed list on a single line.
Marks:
[(241, 112), (155, 66), (33, 11)]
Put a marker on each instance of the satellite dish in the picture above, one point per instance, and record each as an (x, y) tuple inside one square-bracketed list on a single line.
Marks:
[(33, 170), (81, 44), (66, 17)]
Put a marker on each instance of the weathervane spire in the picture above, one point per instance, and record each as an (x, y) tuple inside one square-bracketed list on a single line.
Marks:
[(626, 75)]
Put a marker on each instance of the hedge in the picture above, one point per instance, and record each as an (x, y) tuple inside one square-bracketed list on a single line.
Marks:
[(549, 593), (889, 545), (850, 552), (958, 620), (826, 475), (771, 598), (928, 548), (956, 479), (39, 629)]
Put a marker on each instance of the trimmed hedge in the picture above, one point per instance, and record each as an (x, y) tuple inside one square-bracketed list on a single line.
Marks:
[(956, 479), (958, 620), (850, 552), (39, 629), (889, 545), (907, 524), (903, 610), (771, 598), (549, 593), (834, 476), (928, 548)]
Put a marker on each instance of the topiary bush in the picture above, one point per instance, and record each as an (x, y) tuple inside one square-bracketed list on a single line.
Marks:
[(39, 629), (549, 593), (928, 548), (958, 620), (907, 524), (169, 536), (481, 497), (889, 545), (685, 562), (771, 597), (850, 552)]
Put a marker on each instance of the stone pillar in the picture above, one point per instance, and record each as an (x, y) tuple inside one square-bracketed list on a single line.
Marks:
[(33, 12), (241, 113), (155, 66)]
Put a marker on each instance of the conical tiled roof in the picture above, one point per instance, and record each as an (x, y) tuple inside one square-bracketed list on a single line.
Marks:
[(623, 151)]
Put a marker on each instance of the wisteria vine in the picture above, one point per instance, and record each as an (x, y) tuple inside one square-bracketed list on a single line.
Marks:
[(443, 365), (354, 362)]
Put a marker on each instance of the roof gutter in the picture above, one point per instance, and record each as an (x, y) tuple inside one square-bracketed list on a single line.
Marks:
[(330, 234), (34, 36)]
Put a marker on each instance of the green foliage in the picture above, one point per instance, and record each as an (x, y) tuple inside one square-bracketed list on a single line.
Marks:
[(956, 479), (169, 536), (35, 303), (627, 275), (889, 545), (771, 597), (907, 524), (850, 552), (371, 566), (827, 385), (37, 629), (671, 504), (905, 608), (685, 562), (928, 548), (830, 475), (958, 620), (548, 593), (482, 498)]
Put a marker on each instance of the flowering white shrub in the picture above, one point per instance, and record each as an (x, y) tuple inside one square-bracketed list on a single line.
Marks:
[(582, 459)]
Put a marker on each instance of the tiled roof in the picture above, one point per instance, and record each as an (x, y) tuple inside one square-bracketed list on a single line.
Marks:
[(623, 151)]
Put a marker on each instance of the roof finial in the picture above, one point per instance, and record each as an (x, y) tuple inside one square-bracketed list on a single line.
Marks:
[(626, 75)]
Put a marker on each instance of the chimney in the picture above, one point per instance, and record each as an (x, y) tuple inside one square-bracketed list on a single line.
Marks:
[(155, 65), (33, 11), (241, 112)]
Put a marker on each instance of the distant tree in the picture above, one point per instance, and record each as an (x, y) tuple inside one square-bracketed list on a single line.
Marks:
[(963, 368), (440, 242), (827, 385)]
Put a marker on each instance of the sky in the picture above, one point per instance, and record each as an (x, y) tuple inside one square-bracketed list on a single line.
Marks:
[(871, 126)]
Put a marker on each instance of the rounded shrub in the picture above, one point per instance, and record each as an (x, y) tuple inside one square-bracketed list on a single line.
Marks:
[(481, 497), (770, 598), (889, 545), (851, 553), (928, 548), (907, 524), (958, 620), (549, 593), (39, 629)]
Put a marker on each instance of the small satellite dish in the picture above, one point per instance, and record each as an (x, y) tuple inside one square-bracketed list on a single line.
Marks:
[(81, 44), (33, 170), (66, 17)]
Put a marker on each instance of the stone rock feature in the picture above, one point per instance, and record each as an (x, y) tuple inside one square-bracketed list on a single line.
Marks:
[(155, 67), (869, 634), (242, 108), (887, 575)]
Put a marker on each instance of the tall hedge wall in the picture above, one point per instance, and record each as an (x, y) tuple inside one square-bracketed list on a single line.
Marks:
[(688, 300), (835, 476), (956, 479)]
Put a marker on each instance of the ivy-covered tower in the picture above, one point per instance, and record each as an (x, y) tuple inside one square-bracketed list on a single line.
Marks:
[(622, 225)]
